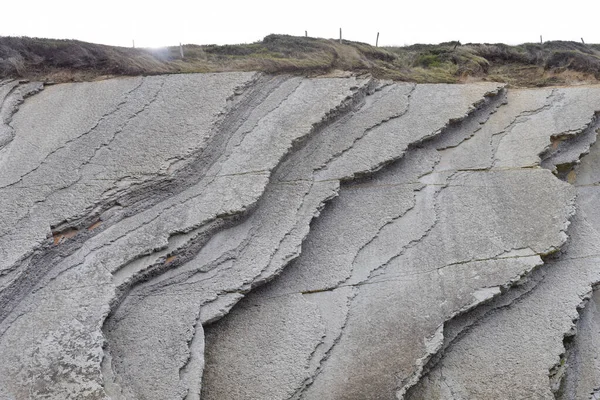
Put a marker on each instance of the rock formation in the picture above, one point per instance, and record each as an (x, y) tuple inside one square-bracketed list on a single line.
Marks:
[(246, 236)]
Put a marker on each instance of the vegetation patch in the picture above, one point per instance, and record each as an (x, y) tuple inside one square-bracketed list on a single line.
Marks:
[(526, 65)]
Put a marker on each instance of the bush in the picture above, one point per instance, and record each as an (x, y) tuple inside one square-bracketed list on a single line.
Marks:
[(573, 60), (428, 60)]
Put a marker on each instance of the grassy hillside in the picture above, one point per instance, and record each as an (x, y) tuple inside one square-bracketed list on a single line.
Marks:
[(530, 64)]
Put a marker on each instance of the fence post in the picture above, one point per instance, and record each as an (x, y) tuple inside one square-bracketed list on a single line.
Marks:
[(340, 35), (181, 50), (377, 40), (305, 33), (133, 41), (582, 41)]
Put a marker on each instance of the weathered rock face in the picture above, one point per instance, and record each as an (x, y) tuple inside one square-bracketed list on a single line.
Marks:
[(243, 236)]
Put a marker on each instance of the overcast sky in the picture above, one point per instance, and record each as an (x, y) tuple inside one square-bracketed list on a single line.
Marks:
[(118, 22)]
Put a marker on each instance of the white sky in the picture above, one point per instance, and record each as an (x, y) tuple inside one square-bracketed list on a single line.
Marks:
[(158, 23)]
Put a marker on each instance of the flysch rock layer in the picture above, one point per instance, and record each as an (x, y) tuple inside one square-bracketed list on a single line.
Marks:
[(260, 245), (514, 347), (520, 336), (582, 376), (457, 221), (66, 289), (362, 225)]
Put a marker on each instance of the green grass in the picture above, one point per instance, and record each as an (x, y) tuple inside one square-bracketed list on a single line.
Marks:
[(529, 64)]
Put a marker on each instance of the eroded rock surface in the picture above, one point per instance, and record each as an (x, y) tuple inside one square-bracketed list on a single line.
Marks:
[(244, 236)]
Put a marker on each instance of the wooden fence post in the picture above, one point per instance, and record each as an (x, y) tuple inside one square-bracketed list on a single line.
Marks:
[(181, 50), (582, 41), (377, 40), (340, 35), (305, 33)]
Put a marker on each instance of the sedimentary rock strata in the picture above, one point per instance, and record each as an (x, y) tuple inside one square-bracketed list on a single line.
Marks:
[(245, 236)]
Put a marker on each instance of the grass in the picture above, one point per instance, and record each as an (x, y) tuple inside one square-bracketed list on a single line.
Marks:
[(526, 65)]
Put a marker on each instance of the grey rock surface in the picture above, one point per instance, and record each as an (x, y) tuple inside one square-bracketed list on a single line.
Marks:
[(582, 375), (245, 236), (516, 344), (391, 240)]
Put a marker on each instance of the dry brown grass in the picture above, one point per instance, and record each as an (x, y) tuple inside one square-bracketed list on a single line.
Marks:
[(554, 63)]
